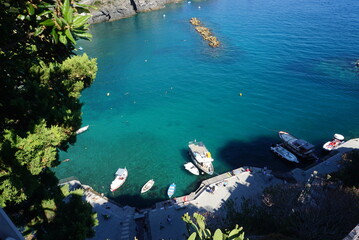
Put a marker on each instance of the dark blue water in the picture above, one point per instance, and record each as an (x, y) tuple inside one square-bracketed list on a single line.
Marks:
[(282, 65)]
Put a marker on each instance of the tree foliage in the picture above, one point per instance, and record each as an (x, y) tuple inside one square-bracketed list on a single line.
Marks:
[(82, 218), (349, 173), (198, 231), (329, 212), (33, 29), (44, 116), (41, 82)]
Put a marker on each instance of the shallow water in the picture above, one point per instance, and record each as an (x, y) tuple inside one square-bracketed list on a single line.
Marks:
[(292, 61)]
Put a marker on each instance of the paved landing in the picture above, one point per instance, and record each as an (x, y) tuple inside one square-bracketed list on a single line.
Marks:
[(244, 184)]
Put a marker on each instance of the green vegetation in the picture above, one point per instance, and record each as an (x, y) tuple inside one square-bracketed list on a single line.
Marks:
[(72, 207), (200, 232), (349, 174), (41, 82), (329, 209)]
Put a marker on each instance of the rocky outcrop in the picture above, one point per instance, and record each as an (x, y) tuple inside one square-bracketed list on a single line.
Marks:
[(149, 5), (205, 33), (111, 10)]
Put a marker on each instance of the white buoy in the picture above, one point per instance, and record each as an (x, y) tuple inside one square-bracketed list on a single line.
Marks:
[(199, 7), (189, 2), (108, 94), (164, 15), (145, 60)]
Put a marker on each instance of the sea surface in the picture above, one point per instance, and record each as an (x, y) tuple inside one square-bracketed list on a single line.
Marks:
[(282, 65)]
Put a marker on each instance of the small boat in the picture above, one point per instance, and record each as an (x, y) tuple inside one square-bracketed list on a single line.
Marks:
[(121, 176), (191, 168), (283, 153), (83, 129), (297, 146), (201, 157), (171, 190), (147, 186), (337, 140)]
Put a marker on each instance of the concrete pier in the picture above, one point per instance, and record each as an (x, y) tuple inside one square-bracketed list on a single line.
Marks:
[(235, 185), (164, 221), (328, 164)]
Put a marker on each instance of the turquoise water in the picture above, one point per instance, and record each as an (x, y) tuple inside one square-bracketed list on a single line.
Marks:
[(293, 62)]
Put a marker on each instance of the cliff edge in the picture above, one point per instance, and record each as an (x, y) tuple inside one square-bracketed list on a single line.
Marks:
[(111, 10)]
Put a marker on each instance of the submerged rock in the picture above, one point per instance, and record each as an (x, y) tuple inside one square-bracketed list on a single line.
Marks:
[(205, 33)]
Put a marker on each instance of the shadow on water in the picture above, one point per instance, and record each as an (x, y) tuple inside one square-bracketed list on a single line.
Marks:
[(145, 200), (235, 154), (150, 198), (255, 153)]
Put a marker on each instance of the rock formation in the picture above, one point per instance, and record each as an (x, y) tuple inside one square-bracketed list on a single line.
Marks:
[(111, 10), (205, 33)]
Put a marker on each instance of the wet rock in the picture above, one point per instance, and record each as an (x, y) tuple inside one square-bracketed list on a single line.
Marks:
[(205, 33)]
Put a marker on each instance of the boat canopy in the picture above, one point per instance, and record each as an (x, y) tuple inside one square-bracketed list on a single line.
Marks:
[(303, 145), (120, 171), (339, 137)]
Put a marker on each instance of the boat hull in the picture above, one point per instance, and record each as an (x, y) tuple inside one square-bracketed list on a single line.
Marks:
[(118, 181), (147, 186), (299, 147), (191, 168), (330, 145), (171, 190), (209, 170), (83, 129), (116, 184), (204, 161), (284, 154)]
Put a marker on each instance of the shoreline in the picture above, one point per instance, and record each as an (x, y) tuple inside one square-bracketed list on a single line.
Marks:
[(109, 11), (153, 223)]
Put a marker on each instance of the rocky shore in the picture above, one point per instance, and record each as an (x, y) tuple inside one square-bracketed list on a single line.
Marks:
[(111, 10)]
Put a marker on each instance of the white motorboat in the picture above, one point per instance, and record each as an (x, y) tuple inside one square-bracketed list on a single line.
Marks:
[(147, 186), (83, 129), (191, 168), (337, 140), (121, 176), (283, 153), (201, 157), (297, 146)]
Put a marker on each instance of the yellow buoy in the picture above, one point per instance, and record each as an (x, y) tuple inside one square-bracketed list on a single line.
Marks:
[(240, 94)]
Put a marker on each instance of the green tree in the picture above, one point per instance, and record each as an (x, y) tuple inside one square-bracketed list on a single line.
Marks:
[(41, 82), (329, 212), (198, 231), (349, 173), (74, 208)]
